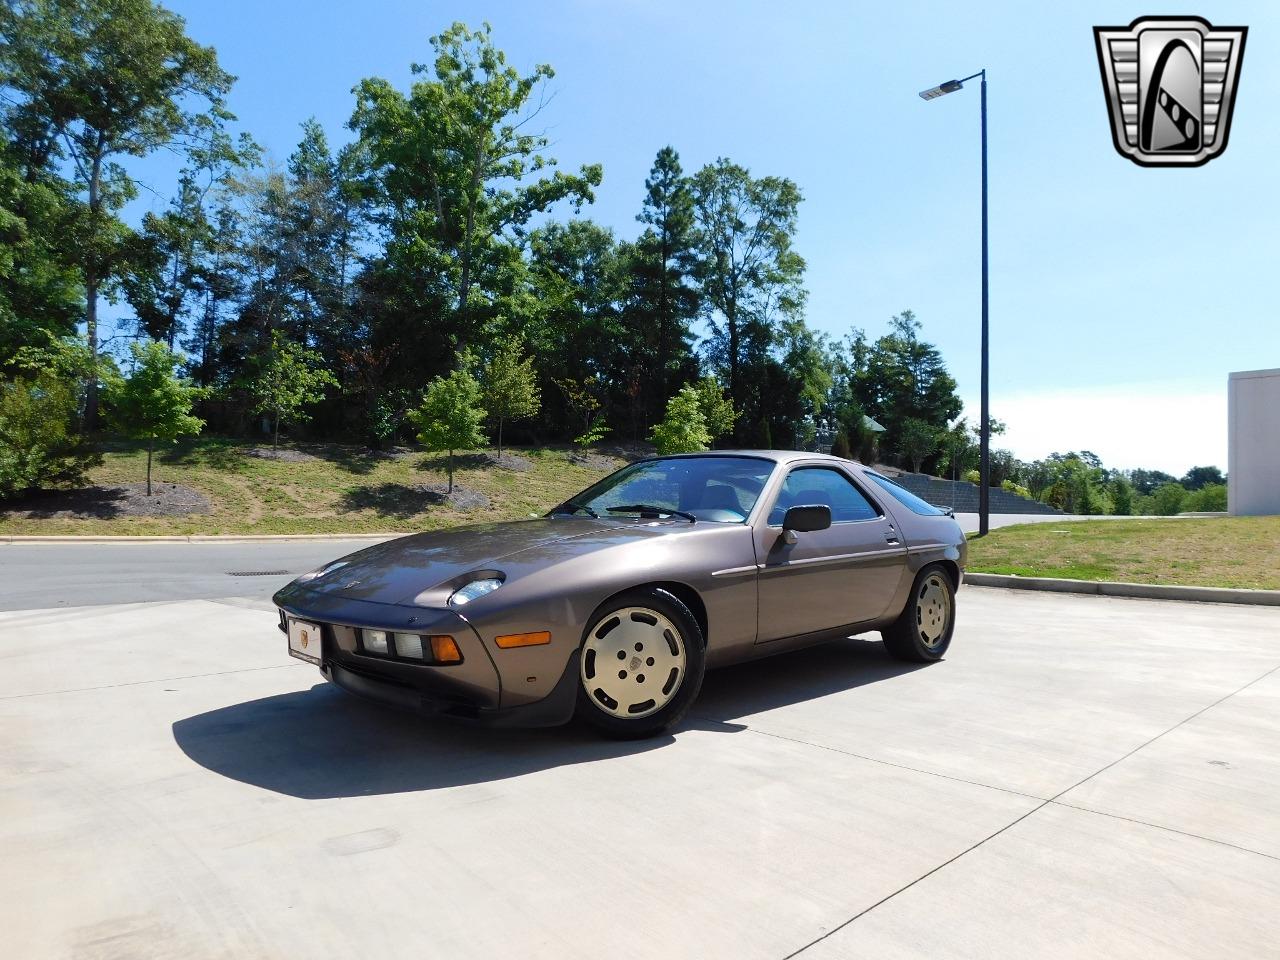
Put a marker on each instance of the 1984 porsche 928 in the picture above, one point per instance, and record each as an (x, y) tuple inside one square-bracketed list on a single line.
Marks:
[(614, 604)]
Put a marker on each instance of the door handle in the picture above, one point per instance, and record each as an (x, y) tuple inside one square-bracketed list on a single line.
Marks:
[(891, 536)]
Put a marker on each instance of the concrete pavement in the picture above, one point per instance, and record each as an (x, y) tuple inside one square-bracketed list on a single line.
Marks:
[(1081, 777)]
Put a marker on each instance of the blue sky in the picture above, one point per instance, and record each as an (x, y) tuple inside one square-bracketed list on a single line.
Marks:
[(1120, 296)]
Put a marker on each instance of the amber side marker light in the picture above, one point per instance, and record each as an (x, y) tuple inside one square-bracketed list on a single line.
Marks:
[(535, 639), (445, 650)]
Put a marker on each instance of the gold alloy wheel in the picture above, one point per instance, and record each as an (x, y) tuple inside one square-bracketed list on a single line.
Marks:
[(933, 609), (633, 662)]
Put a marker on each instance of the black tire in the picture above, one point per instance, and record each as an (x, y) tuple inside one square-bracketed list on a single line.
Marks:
[(923, 630), (608, 714)]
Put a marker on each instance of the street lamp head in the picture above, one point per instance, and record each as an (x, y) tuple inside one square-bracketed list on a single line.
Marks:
[(951, 86)]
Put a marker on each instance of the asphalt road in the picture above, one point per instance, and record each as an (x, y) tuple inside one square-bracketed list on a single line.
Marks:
[(1081, 777), (35, 575)]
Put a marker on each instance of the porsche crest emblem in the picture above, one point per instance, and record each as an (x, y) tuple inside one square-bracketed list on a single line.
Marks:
[(304, 638)]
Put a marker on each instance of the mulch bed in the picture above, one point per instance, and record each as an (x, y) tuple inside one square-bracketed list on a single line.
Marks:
[(593, 460), (109, 503), (285, 454), (509, 461)]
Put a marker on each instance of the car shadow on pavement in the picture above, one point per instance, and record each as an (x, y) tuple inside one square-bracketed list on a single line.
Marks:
[(322, 743)]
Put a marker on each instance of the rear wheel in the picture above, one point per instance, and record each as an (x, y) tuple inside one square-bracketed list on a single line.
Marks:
[(641, 665), (923, 632)]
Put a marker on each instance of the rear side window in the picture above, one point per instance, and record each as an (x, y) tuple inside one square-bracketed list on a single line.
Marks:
[(906, 497), (806, 486)]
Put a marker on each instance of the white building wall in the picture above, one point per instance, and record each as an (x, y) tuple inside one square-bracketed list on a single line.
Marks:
[(1253, 438)]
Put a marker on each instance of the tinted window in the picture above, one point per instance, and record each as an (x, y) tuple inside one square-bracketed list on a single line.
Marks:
[(821, 485), (906, 497), (722, 489)]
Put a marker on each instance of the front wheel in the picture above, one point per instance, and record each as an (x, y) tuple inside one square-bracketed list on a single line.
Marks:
[(641, 666), (923, 632)]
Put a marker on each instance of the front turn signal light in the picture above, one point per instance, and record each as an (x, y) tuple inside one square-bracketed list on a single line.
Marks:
[(536, 639), (445, 650)]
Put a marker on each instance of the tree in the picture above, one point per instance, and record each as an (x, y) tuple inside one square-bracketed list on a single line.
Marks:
[(584, 409), (901, 376), (456, 170), (1121, 497), (450, 417), (153, 403), (717, 409), (510, 384), (40, 446), (684, 429), (749, 273), (289, 380), (840, 446), (664, 298), (1146, 481), (107, 79), (1197, 477), (1167, 499), (917, 441)]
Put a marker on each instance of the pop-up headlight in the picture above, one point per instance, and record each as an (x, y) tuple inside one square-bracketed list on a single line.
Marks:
[(473, 591)]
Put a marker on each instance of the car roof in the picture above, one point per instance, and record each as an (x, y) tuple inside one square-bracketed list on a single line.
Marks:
[(777, 456)]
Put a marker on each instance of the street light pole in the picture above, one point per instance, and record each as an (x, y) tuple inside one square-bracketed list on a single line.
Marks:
[(984, 469), (984, 429)]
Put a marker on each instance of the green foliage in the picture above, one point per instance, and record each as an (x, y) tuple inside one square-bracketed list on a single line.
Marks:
[(684, 429), (289, 380), (1122, 497), (749, 272), (510, 384), (153, 403), (39, 443), (717, 409), (973, 476), (584, 406), (451, 415), (108, 79), (454, 150), (917, 441), (1167, 499), (1210, 498), (1012, 487), (1197, 477), (840, 446), (902, 377)]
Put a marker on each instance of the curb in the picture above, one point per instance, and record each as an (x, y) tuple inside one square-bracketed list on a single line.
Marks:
[(204, 538), (1112, 588)]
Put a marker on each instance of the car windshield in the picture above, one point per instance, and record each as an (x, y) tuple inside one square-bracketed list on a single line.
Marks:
[(906, 497), (720, 489)]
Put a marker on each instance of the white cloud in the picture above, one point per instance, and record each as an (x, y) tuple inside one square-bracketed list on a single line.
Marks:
[(1160, 426)]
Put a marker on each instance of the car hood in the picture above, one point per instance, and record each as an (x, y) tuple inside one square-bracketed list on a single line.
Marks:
[(427, 567)]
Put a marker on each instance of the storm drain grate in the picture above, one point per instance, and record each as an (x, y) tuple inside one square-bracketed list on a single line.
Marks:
[(256, 573)]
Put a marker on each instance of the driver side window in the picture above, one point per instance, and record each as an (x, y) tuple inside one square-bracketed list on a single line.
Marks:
[(805, 486)]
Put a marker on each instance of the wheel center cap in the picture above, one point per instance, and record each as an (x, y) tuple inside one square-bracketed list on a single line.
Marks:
[(635, 663)]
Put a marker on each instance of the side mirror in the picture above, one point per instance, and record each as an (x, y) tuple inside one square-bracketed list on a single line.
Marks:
[(804, 519)]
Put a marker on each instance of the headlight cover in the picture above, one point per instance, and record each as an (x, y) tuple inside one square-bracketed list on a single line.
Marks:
[(473, 591)]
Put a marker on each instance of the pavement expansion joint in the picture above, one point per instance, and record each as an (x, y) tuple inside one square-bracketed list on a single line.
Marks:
[(1036, 809)]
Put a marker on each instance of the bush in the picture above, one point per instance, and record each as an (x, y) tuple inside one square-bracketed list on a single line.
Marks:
[(1167, 499), (1012, 487), (973, 476), (684, 429), (39, 444), (840, 446), (1210, 498)]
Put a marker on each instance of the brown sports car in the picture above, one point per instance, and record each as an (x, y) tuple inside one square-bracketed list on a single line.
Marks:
[(614, 604)]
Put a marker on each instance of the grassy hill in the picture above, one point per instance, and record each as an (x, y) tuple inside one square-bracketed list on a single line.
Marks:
[(1214, 552), (239, 487)]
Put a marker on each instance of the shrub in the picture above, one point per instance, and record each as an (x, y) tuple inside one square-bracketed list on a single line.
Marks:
[(1210, 498), (39, 444), (684, 428), (1167, 499), (840, 446)]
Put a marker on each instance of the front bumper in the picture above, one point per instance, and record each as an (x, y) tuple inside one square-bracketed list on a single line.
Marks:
[(554, 709), (471, 690)]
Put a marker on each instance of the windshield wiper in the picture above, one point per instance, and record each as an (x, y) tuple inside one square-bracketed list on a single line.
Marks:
[(650, 508), (570, 507)]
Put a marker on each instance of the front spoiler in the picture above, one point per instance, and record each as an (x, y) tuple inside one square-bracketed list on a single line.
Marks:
[(552, 710)]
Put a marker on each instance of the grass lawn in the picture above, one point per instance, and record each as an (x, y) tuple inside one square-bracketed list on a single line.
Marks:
[(1211, 552), (339, 490)]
